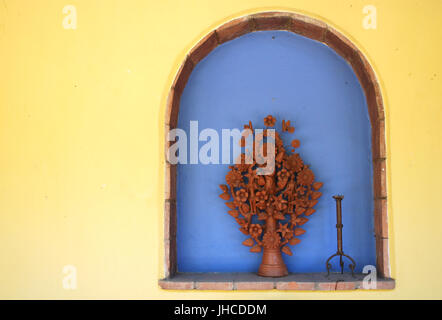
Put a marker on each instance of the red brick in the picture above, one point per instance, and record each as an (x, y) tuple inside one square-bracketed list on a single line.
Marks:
[(175, 285), (382, 258), (366, 77), (326, 286), (169, 219), (308, 27), (379, 147), (373, 94), (182, 76), (172, 108), (271, 21), (340, 44), (203, 48), (295, 285), (372, 107), (167, 144), (214, 285), (341, 285), (368, 69), (233, 29), (374, 101), (381, 221), (170, 266), (254, 285), (169, 107), (379, 101), (380, 178), (379, 256), (170, 181), (385, 285)]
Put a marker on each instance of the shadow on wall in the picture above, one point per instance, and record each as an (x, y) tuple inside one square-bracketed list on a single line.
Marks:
[(292, 78)]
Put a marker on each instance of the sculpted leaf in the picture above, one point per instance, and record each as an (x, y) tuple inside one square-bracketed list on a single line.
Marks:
[(225, 196), (256, 249), (233, 213), (231, 205), (287, 250), (248, 242)]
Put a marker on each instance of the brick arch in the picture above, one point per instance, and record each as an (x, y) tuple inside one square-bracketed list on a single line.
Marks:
[(313, 29)]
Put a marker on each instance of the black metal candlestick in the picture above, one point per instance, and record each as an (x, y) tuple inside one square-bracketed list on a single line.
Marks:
[(340, 252)]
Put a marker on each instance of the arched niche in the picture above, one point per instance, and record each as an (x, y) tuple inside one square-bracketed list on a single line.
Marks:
[(313, 29)]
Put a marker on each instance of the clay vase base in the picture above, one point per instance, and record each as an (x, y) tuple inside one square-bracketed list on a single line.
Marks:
[(266, 270), (272, 264)]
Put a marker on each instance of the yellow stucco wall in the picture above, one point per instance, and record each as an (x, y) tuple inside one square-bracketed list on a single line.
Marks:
[(82, 125)]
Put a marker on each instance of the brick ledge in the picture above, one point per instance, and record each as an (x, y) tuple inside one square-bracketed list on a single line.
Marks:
[(251, 281)]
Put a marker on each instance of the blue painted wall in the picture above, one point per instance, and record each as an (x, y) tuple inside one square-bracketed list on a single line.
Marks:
[(293, 78)]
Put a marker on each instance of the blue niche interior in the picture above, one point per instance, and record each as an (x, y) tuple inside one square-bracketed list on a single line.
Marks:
[(292, 78)]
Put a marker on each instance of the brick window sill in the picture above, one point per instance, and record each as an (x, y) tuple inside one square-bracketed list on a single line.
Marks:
[(251, 281)]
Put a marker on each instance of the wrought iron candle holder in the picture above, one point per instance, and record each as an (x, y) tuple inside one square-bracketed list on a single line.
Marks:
[(340, 252)]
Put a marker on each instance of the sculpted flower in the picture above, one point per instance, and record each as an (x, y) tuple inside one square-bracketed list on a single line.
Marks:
[(285, 231), (301, 190), (283, 174), (244, 208), (262, 205), (271, 240), (262, 196), (269, 121), (306, 177), (280, 203), (296, 143), (294, 163), (234, 178), (237, 203), (283, 177), (255, 230), (242, 195)]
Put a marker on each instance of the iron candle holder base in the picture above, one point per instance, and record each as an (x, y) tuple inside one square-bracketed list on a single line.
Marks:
[(340, 253)]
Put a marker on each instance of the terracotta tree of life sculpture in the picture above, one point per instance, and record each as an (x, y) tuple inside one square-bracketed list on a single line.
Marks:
[(271, 208)]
